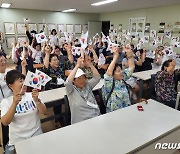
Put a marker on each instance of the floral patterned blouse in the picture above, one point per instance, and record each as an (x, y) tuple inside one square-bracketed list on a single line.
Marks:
[(119, 97), (164, 86)]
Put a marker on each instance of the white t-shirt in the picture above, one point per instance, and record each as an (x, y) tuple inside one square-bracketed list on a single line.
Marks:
[(26, 122), (5, 89)]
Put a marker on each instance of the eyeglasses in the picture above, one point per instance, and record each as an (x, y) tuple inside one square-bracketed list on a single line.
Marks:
[(3, 61)]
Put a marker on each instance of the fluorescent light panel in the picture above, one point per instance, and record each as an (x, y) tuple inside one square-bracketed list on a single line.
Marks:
[(5, 5), (69, 10), (103, 2)]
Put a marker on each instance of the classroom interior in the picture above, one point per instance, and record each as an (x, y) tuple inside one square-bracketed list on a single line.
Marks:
[(118, 16)]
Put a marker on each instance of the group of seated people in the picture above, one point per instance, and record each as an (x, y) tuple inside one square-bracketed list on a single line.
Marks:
[(20, 105)]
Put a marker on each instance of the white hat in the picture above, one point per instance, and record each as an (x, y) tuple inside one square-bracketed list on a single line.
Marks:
[(79, 73)]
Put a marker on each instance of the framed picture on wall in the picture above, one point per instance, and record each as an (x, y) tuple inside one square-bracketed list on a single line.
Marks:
[(133, 25), (21, 28), (22, 39), (9, 28), (32, 26), (50, 27), (85, 28), (140, 25), (161, 27), (120, 28), (137, 25), (10, 41), (147, 28), (77, 29), (176, 28), (60, 28), (40, 27), (70, 28)]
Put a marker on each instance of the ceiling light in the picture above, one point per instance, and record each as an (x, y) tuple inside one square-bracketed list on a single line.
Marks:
[(5, 5), (69, 10), (103, 2)]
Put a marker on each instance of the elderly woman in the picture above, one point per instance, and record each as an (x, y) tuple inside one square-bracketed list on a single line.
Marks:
[(119, 97), (79, 91), (164, 83)]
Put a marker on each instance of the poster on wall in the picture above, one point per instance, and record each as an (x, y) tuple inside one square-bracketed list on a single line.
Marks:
[(9, 28), (147, 28), (133, 25), (22, 39), (32, 26), (10, 41), (84, 28), (140, 25), (137, 25), (50, 27), (111, 27), (161, 27), (21, 28), (61, 28), (70, 28), (40, 27), (77, 29), (176, 27), (120, 28)]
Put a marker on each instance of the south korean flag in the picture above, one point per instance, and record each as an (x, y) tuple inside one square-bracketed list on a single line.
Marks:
[(32, 80), (41, 37), (43, 77)]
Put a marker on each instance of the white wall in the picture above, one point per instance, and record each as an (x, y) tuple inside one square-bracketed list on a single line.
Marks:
[(17, 15), (154, 16)]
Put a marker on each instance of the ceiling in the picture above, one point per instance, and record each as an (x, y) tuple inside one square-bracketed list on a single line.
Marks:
[(84, 6)]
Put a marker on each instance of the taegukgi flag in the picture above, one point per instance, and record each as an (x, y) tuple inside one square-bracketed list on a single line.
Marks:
[(41, 37), (32, 80), (44, 78)]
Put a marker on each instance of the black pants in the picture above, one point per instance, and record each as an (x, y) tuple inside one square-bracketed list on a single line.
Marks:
[(57, 111), (5, 134)]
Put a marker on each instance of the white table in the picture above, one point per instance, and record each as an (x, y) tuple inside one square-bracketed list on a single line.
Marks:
[(119, 132), (146, 75)]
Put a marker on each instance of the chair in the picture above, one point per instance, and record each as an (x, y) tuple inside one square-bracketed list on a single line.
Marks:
[(152, 87), (177, 100), (67, 119)]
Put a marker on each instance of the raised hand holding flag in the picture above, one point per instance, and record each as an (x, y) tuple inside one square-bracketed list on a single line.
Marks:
[(102, 59), (83, 40), (104, 38)]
